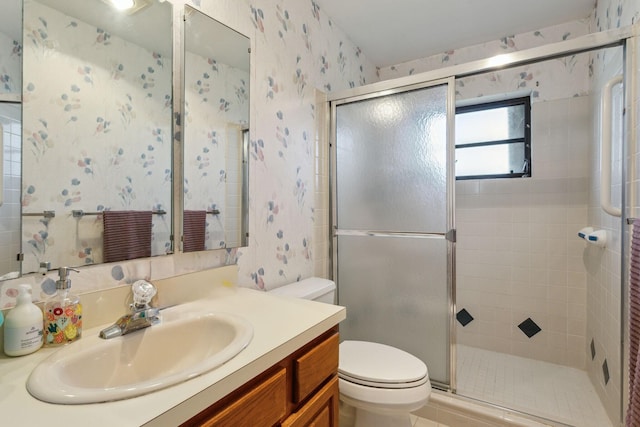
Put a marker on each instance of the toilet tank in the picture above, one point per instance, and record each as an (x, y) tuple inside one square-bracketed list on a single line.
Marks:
[(313, 288)]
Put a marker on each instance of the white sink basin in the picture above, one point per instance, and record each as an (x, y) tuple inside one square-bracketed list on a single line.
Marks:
[(183, 346)]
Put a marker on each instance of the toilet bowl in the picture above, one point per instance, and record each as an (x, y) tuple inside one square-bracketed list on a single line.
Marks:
[(379, 384), (383, 383)]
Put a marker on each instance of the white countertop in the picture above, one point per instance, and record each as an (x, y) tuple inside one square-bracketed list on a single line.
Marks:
[(281, 326)]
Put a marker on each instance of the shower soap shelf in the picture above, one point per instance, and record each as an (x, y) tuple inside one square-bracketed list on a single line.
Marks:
[(593, 236)]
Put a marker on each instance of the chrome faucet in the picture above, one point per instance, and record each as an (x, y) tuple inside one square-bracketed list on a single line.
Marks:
[(142, 314)]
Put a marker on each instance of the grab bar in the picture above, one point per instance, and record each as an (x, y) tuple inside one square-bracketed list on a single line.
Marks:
[(605, 148)]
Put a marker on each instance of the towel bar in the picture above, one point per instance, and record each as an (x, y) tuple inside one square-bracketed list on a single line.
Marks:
[(79, 213), (46, 214)]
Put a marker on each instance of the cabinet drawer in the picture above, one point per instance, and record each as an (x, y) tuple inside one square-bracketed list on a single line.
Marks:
[(314, 367), (264, 405), (320, 411)]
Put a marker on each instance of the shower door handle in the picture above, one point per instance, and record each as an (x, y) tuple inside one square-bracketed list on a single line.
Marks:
[(605, 147), (449, 235)]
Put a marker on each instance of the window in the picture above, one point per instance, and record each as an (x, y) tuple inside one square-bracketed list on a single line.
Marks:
[(493, 140)]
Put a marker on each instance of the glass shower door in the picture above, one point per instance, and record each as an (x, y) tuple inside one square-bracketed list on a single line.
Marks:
[(393, 222)]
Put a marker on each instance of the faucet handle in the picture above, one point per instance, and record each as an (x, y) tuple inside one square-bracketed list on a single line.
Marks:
[(143, 292)]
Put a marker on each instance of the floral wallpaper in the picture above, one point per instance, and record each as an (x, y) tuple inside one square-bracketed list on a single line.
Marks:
[(296, 49), (10, 64), (567, 73), (216, 112), (96, 136), (611, 14)]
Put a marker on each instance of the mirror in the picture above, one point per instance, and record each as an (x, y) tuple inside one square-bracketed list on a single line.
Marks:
[(97, 129), (10, 136), (10, 141), (216, 133)]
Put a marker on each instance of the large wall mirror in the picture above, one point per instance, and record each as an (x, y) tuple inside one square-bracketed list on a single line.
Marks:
[(96, 131), (216, 132), (10, 136)]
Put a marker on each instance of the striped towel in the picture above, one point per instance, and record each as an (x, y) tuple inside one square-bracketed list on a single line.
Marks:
[(127, 235), (194, 224), (633, 411)]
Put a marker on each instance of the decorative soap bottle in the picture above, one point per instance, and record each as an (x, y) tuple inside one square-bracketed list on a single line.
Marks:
[(62, 313), (23, 325)]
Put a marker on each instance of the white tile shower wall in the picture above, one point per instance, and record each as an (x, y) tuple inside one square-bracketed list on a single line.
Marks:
[(518, 255), (603, 265), (604, 281)]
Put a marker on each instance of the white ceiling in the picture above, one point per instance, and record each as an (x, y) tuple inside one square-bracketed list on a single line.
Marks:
[(391, 32)]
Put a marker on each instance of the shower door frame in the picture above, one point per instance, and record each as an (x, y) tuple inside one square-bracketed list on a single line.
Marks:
[(624, 37), (448, 236)]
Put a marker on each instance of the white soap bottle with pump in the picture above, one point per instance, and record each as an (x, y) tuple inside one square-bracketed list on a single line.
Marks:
[(23, 325)]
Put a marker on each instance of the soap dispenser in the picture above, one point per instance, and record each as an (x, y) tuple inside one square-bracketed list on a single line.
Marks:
[(62, 313), (23, 326)]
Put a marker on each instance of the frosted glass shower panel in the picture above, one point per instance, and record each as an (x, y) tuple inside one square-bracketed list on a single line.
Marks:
[(395, 291), (391, 162)]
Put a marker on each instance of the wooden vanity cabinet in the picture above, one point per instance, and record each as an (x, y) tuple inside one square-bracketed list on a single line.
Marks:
[(299, 391)]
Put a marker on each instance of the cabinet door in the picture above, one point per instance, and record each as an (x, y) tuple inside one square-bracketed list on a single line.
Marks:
[(314, 367), (265, 405), (320, 411)]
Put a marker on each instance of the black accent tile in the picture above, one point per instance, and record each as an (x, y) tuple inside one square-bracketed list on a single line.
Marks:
[(464, 317), (593, 349), (605, 371), (529, 327)]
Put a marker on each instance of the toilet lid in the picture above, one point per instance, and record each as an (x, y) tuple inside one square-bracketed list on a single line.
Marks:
[(371, 363)]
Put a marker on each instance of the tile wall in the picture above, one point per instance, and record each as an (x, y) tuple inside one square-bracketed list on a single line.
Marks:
[(603, 266), (518, 254)]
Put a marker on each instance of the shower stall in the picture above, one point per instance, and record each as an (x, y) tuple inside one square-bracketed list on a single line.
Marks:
[(487, 280)]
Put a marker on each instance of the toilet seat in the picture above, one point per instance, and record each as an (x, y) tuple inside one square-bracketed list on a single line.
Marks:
[(381, 366)]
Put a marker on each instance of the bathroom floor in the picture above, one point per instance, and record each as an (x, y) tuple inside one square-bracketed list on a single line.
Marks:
[(423, 422), (543, 389)]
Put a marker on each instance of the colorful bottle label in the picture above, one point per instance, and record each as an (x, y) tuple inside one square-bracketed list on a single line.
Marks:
[(62, 324)]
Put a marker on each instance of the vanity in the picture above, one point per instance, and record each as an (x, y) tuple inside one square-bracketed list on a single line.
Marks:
[(300, 390), (285, 376)]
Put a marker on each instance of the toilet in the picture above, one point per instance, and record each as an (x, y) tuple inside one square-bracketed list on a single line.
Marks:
[(379, 384)]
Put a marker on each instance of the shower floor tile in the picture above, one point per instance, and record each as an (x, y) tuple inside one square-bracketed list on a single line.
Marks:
[(559, 393)]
